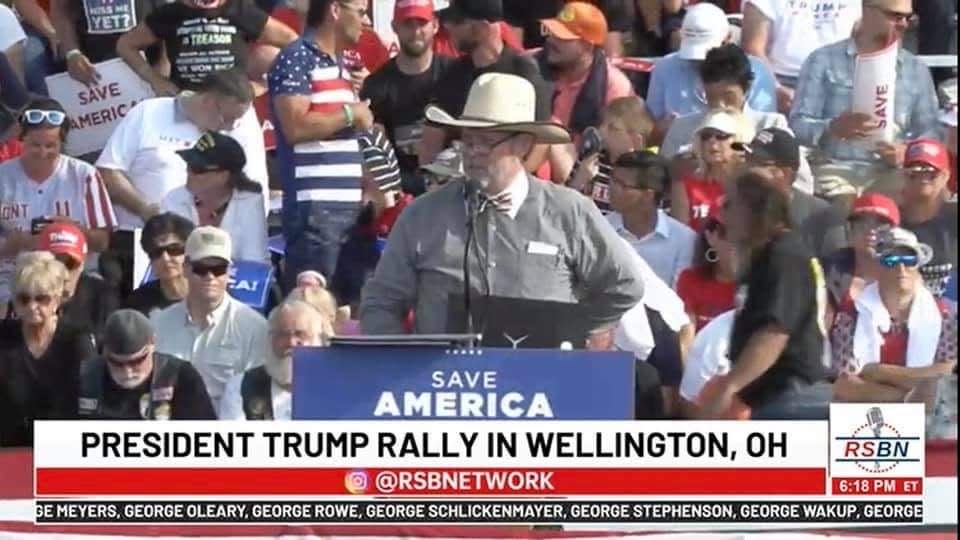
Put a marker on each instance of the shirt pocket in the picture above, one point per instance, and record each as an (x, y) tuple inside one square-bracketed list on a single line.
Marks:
[(544, 275), (840, 83), (224, 362)]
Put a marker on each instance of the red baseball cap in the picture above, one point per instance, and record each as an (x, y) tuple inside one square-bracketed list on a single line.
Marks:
[(413, 9), (928, 152), (878, 205), (64, 238)]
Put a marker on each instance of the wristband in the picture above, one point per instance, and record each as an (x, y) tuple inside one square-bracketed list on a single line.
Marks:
[(348, 114), (71, 53)]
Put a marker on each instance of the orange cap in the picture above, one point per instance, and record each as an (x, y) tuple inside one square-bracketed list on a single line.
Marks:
[(579, 20)]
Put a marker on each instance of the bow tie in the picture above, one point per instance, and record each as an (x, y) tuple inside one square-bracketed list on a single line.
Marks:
[(501, 202)]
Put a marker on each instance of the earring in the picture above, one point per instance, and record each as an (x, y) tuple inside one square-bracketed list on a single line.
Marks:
[(711, 255)]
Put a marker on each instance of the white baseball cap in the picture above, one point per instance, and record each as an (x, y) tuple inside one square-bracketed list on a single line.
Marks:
[(721, 121), (705, 27), (209, 242)]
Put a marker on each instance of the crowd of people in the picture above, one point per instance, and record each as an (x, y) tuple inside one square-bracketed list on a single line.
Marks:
[(729, 220)]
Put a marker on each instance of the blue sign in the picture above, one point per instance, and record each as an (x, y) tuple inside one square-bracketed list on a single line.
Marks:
[(249, 282), (403, 383), (951, 292)]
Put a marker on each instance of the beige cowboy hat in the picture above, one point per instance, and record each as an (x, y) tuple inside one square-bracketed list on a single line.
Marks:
[(502, 102)]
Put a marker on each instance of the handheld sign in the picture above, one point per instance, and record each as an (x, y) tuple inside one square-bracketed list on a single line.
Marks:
[(874, 86), (385, 383), (95, 111)]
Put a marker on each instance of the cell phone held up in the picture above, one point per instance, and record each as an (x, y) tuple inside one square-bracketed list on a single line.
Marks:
[(591, 142), (37, 224)]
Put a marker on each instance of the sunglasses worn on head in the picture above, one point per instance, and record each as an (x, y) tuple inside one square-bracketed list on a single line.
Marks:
[(892, 261), (216, 269), (173, 250), (709, 134), (24, 299), (38, 116)]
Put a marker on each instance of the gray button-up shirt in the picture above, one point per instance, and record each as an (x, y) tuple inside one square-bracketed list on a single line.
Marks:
[(559, 247)]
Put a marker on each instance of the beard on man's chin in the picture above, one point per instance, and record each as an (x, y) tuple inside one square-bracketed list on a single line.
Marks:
[(415, 50), (280, 369)]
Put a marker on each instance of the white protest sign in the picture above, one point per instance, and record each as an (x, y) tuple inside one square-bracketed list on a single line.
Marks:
[(382, 17), (95, 110), (874, 85)]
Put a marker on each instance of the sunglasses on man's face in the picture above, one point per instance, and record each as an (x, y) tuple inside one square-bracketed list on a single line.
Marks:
[(893, 261), (203, 270), (38, 116), (132, 363), (173, 250), (25, 299), (710, 134)]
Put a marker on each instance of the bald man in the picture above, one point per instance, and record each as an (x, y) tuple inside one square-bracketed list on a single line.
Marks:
[(821, 115), (265, 392)]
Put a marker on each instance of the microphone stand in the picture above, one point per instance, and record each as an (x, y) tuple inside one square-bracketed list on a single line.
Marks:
[(471, 192)]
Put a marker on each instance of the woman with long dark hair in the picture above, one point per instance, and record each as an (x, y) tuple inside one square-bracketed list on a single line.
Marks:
[(218, 193), (709, 286)]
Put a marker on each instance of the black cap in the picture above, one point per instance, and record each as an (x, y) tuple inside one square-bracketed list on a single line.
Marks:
[(773, 144), (126, 332), (215, 152), (473, 10)]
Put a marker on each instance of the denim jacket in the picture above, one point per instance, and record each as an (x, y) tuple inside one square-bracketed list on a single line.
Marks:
[(825, 90)]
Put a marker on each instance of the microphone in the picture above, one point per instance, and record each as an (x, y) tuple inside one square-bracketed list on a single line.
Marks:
[(471, 194), (875, 422)]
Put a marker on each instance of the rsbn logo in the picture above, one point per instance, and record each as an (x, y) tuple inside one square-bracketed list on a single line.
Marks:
[(876, 446)]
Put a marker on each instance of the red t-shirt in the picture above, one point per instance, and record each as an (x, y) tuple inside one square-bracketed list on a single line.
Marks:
[(704, 296), (894, 349), (703, 197)]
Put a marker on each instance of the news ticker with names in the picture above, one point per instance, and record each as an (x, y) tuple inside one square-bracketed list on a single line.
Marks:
[(506, 512)]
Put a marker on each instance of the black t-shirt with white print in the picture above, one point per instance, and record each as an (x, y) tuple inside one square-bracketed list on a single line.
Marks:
[(785, 286), (100, 23), (202, 41)]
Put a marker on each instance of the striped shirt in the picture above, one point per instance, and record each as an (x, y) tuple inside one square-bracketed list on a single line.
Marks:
[(74, 190), (326, 170), (379, 159)]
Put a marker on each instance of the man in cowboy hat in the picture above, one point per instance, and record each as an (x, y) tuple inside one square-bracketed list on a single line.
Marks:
[(532, 239)]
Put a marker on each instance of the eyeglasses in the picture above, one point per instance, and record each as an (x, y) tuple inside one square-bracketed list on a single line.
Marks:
[(708, 134), (68, 261), (894, 16), (892, 261), (922, 173), (216, 269), (24, 299), (133, 363), (361, 12), (623, 185), (483, 142), (867, 223), (38, 116), (173, 250)]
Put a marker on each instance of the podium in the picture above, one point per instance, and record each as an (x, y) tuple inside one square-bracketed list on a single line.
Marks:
[(441, 381)]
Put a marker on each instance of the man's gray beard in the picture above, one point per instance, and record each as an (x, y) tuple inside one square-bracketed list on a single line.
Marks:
[(279, 369)]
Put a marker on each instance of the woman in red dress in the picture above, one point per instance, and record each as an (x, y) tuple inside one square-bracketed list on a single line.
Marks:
[(709, 286)]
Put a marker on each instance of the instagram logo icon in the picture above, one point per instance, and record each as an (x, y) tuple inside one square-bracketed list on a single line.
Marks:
[(356, 481)]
